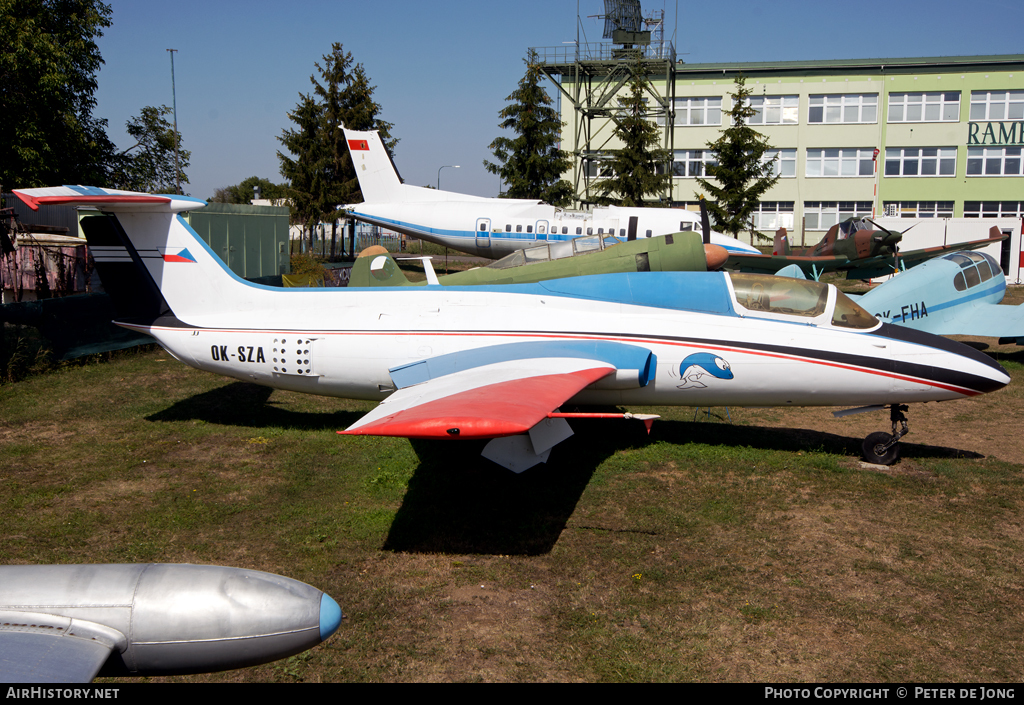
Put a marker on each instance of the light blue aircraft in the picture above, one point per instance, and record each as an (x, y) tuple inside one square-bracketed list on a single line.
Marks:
[(955, 294)]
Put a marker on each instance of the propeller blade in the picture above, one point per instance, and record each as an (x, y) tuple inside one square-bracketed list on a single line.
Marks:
[(705, 224), (884, 230)]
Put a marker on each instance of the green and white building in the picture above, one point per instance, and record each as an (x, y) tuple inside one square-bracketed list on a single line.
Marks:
[(910, 138)]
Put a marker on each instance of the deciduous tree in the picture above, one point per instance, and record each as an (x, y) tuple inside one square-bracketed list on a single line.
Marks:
[(244, 192), (149, 164), (48, 65)]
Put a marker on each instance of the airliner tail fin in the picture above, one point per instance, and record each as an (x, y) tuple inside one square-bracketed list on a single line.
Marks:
[(378, 178)]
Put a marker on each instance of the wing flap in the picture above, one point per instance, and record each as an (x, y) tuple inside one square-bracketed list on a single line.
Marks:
[(490, 401)]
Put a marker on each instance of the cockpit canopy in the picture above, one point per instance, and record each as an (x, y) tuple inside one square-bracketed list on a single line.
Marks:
[(800, 300), (975, 268), (555, 250)]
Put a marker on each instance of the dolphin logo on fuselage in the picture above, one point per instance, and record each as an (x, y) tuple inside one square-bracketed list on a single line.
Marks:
[(700, 364)]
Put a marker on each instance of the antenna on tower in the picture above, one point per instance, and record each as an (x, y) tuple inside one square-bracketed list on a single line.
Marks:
[(622, 23)]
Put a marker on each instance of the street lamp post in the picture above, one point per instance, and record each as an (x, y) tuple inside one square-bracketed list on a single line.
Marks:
[(174, 96), (446, 166)]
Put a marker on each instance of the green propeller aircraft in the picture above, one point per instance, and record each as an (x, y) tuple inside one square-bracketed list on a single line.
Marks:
[(596, 254)]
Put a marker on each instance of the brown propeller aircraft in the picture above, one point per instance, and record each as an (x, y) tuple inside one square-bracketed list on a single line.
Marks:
[(860, 247)]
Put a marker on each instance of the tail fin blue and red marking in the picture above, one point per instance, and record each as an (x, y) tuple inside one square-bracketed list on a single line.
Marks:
[(183, 256)]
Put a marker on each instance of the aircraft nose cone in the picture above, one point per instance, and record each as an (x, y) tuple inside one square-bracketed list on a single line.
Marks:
[(330, 616), (716, 256)]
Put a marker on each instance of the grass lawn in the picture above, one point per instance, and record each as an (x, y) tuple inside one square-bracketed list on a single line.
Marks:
[(752, 546)]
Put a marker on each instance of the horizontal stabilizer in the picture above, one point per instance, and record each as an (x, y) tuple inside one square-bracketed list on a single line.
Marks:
[(106, 199)]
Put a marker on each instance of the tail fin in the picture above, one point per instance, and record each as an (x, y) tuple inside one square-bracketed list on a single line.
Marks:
[(150, 259), (375, 267), (378, 178), (781, 247)]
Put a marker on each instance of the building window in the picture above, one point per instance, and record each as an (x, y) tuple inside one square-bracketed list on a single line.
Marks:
[(823, 215), (914, 161), (994, 209), (698, 111), (691, 163), (994, 161), (997, 105), (596, 168), (784, 162), (843, 162), (919, 209), (774, 215), (775, 110), (843, 109), (924, 107)]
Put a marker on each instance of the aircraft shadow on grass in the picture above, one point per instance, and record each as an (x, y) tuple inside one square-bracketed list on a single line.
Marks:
[(247, 404), (459, 502)]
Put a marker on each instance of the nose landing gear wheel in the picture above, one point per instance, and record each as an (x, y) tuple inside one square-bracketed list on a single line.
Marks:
[(875, 451), (883, 448)]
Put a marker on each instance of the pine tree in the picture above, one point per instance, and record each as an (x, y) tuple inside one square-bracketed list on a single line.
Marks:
[(531, 164), (638, 168), (305, 172), (346, 98), (321, 174), (742, 174)]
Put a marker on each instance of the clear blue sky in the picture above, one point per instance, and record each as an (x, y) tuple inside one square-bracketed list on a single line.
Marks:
[(442, 70)]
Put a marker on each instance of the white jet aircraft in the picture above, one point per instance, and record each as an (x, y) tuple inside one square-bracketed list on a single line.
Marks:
[(495, 227), (498, 361)]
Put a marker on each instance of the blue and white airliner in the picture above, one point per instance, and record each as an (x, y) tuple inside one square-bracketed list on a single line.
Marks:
[(495, 227), (498, 362)]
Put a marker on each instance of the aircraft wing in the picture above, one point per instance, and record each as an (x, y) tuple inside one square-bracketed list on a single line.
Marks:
[(502, 399), (499, 390), (865, 268), (986, 320), (914, 257), (770, 264), (44, 648)]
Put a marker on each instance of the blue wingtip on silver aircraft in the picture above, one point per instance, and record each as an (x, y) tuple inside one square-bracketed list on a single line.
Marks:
[(498, 362)]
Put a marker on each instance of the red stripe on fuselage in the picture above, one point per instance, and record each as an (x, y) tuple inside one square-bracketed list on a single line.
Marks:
[(568, 336)]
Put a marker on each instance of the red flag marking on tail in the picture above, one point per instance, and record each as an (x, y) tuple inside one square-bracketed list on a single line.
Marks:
[(358, 145)]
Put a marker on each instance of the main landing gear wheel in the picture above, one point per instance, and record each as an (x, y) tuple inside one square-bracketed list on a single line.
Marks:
[(882, 448)]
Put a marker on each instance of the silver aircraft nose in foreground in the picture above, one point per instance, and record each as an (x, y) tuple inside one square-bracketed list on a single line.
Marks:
[(70, 623)]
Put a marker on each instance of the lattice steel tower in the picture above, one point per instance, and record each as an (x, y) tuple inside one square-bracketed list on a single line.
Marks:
[(590, 77)]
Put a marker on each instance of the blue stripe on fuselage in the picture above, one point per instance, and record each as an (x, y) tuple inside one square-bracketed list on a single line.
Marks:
[(619, 355), (978, 293), (470, 236), (705, 292)]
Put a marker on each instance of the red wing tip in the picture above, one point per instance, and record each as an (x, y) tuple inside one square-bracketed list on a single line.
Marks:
[(442, 429), (34, 202)]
